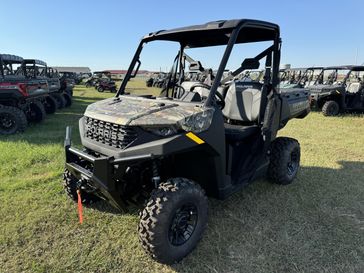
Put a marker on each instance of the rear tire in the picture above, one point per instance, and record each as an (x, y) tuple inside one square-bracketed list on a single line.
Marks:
[(36, 112), (68, 99), (173, 220), (12, 120), (284, 160), (330, 108), (70, 187), (100, 89), (50, 105)]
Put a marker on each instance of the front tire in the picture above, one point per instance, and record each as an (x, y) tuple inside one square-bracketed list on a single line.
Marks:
[(330, 108), (36, 112), (70, 187), (173, 221), (12, 120), (284, 160), (50, 105), (100, 89), (61, 102), (68, 99)]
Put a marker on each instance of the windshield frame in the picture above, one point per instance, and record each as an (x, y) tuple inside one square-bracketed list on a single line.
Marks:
[(132, 70)]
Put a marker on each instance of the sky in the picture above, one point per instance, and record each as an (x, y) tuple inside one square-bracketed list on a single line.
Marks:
[(105, 34)]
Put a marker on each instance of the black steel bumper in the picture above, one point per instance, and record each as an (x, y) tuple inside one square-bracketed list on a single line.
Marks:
[(100, 180)]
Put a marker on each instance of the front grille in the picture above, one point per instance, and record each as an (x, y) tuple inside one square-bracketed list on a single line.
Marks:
[(111, 134)]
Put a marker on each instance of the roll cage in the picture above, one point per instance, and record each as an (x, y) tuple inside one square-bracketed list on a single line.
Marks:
[(30, 68), (229, 33), (6, 64)]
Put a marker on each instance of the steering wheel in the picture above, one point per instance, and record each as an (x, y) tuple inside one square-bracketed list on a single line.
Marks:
[(220, 102)]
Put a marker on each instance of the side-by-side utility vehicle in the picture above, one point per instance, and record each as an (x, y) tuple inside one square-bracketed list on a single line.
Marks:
[(20, 97), (341, 89), (193, 141)]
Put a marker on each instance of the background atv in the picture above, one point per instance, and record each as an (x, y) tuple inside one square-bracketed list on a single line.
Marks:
[(342, 90), (196, 140), (68, 81), (21, 97), (62, 96), (106, 84)]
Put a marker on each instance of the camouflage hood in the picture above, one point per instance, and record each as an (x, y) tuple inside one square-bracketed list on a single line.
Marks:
[(137, 111)]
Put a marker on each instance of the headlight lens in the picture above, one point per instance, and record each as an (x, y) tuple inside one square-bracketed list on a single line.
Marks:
[(198, 122), (162, 131)]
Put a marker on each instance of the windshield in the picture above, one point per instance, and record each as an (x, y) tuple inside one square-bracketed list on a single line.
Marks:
[(167, 70), (334, 76)]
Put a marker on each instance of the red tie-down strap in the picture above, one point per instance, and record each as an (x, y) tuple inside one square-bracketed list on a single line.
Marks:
[(79, 203)]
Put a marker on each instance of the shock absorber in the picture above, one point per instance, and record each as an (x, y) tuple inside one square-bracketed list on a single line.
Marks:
[(156, 179)]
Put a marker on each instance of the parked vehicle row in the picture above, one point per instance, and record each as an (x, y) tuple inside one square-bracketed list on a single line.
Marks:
[(29, 90), (333, 89)]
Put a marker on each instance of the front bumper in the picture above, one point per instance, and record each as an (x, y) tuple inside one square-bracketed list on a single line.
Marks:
[(98, 178)]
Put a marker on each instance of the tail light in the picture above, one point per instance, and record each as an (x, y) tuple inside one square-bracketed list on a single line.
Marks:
[(23, 89)]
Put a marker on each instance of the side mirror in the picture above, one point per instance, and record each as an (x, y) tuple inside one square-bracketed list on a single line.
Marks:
[(250, 63)]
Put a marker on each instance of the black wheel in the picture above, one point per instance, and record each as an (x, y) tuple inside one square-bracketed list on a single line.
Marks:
[(100, 89), (88, 85), (36, 112), (173, 220), (330, 108), (284, 160), (12, 120), (68, 99), (50, 105), (70, 187), (61, 101)]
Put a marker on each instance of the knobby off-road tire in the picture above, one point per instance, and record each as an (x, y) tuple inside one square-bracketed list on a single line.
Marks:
[(284, 160), (68, 99), (173, 220), (61, 101), (36, 112), (70, 187), (330, 108), (12, 120), (50, 105)]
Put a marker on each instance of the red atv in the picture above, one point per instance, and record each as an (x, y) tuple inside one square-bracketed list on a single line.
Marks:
[(106, 85)]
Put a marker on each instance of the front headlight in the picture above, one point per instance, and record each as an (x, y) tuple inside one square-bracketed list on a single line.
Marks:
[(198, 122), (162, 131), (195, 123)]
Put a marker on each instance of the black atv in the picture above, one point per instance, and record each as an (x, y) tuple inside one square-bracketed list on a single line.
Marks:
[(63, 97), (339, 89), (68, 81), (197, 140), (22, 98)]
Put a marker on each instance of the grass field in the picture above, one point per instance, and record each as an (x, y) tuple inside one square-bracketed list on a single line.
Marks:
[(314, 225)]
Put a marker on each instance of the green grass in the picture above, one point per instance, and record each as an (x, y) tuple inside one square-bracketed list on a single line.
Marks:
[(314, 225)]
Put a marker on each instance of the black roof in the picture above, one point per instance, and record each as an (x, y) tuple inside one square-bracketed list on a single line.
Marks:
[(35, 61), (340, 67), (215, 33), (314, 67), (11, 58)]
